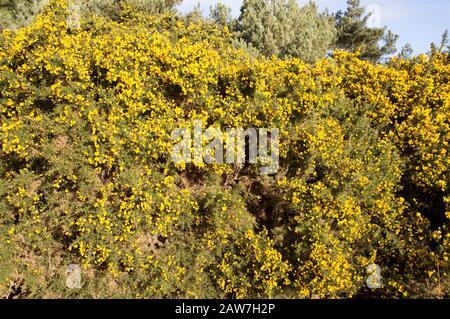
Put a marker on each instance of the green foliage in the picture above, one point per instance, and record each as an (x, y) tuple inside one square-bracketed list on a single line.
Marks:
[(354, 34), (86, 174), (110, 7), (17, 13), (406, 52), (221, 14), (443, 46), (284, 29)]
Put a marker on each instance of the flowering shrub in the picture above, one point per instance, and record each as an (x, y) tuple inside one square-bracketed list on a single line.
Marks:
[(86, 174)]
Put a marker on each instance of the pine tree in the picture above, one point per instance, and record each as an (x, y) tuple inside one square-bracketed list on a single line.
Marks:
[(250, 24), (353, 33), (17, 13), (311, 33), (221, 14), (282, 28), (112, 8), (195, 15), (406, 51), (443, 46), (155, 6)]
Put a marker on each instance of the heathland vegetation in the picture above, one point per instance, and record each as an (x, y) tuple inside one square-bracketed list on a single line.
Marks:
[(91, 93)]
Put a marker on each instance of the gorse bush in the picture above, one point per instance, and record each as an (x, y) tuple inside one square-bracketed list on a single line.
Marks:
[(19, 13), (86, 175)]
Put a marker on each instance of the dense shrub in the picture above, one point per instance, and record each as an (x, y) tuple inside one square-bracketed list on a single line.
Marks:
[(86, 174)]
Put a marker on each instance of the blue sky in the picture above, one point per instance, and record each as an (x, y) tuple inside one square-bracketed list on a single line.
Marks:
[(418, 22)]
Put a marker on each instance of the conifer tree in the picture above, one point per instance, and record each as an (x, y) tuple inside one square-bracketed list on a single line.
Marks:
[(112, 8), (221, 14), (17, 13), (353, 33), (406, 51), (195, 15), (443, 46), (282, 28)]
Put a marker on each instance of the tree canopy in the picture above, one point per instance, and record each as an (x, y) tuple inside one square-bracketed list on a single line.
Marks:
[(353, 33)]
